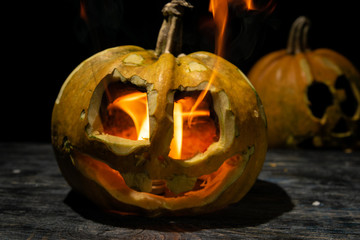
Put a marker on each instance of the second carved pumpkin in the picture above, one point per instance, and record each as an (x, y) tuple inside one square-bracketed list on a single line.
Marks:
[(311, 98)]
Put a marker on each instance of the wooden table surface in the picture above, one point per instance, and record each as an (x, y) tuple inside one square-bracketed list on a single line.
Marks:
[(299, 195)]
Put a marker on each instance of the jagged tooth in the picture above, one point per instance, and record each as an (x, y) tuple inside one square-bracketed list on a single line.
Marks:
[(158, 187)]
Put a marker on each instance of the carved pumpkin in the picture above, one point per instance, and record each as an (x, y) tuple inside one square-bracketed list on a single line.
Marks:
[(104, 151), (311, 98)]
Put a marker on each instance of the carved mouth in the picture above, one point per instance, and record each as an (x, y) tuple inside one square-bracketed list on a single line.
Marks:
[(207, 188)]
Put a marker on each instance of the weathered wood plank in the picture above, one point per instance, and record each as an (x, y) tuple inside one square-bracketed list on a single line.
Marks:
[(299, 195)]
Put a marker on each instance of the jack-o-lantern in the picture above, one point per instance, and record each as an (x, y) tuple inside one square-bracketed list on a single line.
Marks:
[(311, 98), (142, 131)]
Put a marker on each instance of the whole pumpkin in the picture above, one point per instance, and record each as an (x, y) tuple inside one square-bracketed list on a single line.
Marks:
[(126, 175), (311, 98)]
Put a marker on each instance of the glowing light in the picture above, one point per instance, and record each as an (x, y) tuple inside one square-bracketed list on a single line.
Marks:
[(176, 143), (180, 115), (219, 10), (136, 106), (249, 5), (83, 13)]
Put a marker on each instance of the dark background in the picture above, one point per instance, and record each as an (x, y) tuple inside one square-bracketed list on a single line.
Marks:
[(43, 41)]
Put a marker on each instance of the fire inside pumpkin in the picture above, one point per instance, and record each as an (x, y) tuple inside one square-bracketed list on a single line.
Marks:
[(124, 113), (127, 117)]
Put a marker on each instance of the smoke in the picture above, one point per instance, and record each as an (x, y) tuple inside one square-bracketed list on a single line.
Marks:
[(99, 23), (110, 23), (246, 34)]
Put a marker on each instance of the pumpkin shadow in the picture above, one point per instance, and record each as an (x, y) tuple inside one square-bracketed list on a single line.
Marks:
[(264, 202)]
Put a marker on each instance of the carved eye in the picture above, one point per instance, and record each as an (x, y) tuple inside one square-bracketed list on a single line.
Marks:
[(195, 128), (124, 111), (320, 98)]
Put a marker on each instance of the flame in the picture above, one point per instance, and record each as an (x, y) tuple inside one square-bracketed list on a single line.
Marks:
[(260, 6), (180, 115), (219, 10), (136, 106), (176, 143), (83, 14), (249, 5)]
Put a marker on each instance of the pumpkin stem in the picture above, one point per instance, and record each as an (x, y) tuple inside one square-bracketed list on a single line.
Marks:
[(297, 42), (170, 34)]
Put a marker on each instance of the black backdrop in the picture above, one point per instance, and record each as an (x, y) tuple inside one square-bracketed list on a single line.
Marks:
[(44, 41)]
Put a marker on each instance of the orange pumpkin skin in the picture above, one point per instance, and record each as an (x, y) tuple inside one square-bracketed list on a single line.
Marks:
[(304, 95)]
